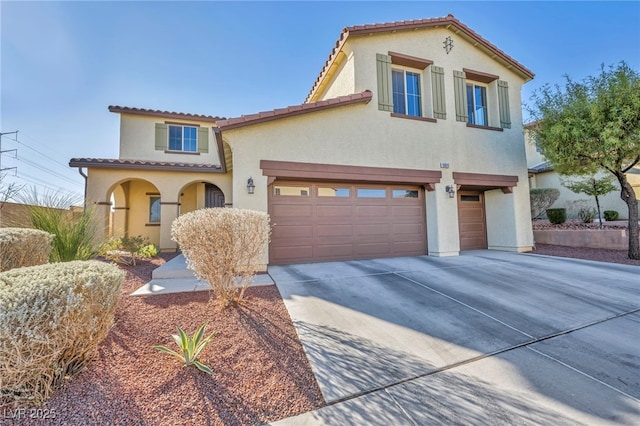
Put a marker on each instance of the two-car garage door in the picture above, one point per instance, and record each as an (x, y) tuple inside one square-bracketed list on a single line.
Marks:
[(318, 221)]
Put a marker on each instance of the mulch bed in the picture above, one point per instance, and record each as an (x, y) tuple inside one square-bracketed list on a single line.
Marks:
[(261, 373)]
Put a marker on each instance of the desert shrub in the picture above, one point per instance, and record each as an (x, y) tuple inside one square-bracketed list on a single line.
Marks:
[(74, 233), (574, 208), (541, 199), (586, 215), (610, 215), (21, 247), (52, 318), (557, 216), (222, 244), (127, 249)]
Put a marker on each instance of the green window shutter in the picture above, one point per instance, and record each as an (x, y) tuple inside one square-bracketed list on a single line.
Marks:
[(503, 100), (437, 84), (385, 100), (162, 136), (460, 91), (203, 140)]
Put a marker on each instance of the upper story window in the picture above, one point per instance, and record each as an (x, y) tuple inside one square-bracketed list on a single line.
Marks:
[(406, 93), (410, 87), (477, 105), (178, 138), (482, 100), (183, 138)]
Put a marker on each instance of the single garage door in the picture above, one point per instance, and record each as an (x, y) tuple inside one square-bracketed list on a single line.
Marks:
[(317, 222), (471, 220)]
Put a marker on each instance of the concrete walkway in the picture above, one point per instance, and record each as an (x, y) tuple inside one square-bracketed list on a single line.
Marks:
[(484, 338), (174, 277)]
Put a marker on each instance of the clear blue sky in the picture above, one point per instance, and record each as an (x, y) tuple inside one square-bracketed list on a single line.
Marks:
[(63, 63)]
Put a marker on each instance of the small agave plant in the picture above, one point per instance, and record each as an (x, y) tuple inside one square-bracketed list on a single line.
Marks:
[(190, 347)]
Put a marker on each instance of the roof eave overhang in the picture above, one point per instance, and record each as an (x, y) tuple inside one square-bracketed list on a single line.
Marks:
[(195, 168)]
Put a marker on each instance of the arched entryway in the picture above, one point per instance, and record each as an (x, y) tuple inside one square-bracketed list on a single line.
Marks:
[(213, 196)]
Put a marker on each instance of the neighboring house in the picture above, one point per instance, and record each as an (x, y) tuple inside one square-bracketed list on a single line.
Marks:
[(410, 142), (542, 175)]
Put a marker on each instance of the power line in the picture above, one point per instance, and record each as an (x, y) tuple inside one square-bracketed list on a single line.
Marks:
[(48, 157), (48, 170)]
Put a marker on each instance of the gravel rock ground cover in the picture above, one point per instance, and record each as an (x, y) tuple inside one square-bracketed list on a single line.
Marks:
[(602, 255), (261, 373)]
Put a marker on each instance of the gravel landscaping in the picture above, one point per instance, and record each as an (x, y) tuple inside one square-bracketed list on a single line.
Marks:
[(601, 255), (261, 373)]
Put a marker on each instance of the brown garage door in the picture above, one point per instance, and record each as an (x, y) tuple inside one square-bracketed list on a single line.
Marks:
[(471, 220), (316, 222)]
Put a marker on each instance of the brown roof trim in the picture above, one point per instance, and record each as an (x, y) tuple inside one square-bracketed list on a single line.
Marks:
[(276, 114), (220, 144), (448, 21), (107, 163), (485, 182), (342, 173), (480, 76), (409, 61), (164, 114)]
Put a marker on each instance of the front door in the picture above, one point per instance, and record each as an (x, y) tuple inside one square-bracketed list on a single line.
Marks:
[(471, 220), (213, 196)]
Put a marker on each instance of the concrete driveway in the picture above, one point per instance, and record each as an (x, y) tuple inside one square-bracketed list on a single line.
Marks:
[(484, 338)]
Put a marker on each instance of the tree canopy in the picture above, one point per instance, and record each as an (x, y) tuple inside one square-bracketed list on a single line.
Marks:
[(592, 126)]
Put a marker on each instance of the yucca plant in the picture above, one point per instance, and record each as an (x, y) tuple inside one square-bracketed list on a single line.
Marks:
[(190, 347)]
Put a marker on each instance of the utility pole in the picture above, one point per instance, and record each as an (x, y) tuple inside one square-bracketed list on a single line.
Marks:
[(15, 150)]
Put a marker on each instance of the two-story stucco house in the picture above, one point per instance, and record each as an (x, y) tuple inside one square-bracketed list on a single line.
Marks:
[(410, 142)]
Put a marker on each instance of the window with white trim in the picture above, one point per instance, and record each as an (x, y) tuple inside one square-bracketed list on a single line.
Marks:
[(477, 105), (183, 138), (407, 98), (154, 209)]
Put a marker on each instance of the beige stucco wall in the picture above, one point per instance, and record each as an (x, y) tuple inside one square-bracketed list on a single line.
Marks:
[(342, 81), (533, 156), (611, 201), (363, 136), (137, 141), (103, 182)]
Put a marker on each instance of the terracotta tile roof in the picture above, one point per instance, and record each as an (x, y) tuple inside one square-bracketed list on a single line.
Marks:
[(165, 114), (276, 114), (110, 163), (448, 20)]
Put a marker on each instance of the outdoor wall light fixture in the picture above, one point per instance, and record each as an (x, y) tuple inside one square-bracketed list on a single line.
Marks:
[(451, 190), (250, 186)]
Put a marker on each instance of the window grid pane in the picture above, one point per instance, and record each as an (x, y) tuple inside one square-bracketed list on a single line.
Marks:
[(371, 193), (481, 105), (154, 209), (190, 139), (413, 95), (175, 138), (398, 92)]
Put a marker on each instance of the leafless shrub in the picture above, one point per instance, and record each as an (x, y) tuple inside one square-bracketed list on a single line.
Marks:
[(20, 247), (224, 247), (52, 318), (541, 200)]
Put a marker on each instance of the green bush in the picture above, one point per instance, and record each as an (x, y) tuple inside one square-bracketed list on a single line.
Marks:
[(557, 216), (21, 247), (190, 347), (52, 319), (127, 249), (610, 215)]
